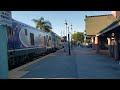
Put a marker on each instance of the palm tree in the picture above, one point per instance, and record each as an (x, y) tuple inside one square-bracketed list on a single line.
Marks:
[(47, 26), (42, 24)]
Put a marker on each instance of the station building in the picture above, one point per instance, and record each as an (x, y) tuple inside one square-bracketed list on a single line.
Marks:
[(94, 24), (111, 34), (105, 33)]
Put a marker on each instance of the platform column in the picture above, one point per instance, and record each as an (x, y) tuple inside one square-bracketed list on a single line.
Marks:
[(3, 54), (96, 44), (93, 43), (116, 54), (109, 46)]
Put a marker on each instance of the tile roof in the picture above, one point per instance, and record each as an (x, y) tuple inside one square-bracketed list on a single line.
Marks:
[(99, 15), (113, 23)]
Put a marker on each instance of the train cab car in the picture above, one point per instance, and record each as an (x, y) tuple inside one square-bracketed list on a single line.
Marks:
[(26, 42)]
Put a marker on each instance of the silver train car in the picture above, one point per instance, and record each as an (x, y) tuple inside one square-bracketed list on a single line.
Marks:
[(26, 42)]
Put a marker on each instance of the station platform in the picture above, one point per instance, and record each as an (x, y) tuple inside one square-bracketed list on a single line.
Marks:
[(83, 63)]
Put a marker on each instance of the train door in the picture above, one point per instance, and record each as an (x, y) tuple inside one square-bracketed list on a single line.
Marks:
[(44, 41), (40, 40), (49, 41), (32, 38)]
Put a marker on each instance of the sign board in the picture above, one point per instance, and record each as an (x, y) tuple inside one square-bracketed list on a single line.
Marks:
[(6, 18)]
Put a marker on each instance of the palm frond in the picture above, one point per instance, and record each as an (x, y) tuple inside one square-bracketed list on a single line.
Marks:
[(37, 26), (34, 20), (48, 23), (41, 19), (43, 25), (47, 26)]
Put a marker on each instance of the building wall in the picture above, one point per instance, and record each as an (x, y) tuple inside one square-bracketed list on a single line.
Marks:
[(116, 13), (94, 24)]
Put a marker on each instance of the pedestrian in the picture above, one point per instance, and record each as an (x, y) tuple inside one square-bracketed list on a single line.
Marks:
[(64, 48)]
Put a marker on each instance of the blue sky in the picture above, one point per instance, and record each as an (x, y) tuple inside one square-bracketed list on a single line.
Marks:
[(57, 18)]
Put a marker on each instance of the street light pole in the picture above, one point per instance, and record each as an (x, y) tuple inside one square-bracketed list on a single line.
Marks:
[(71, 36), (66, 28), (61, 33), (69, 41)]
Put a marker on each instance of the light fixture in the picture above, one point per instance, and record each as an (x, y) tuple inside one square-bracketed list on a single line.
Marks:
[(112, 38), (113, 34)]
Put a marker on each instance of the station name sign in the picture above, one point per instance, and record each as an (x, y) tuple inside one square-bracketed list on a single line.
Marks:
[(6, 18)]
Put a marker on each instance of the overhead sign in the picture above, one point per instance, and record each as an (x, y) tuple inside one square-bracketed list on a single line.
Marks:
[(6, 18)]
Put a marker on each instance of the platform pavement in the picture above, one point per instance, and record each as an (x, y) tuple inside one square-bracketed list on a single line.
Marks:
[(96, 66), (83, 63)]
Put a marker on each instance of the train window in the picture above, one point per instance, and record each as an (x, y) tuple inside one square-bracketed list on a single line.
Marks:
[(49, 38), (44, 40), (26, 32), (32, 38)]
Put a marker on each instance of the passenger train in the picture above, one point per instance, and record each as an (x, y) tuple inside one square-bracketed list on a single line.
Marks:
[(26, 42)]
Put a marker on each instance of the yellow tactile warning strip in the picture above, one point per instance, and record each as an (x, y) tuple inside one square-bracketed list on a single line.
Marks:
[(17, 74)]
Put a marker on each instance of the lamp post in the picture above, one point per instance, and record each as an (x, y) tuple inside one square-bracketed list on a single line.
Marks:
[(69, 41), (63, 32), (71, 36), (66, 28)]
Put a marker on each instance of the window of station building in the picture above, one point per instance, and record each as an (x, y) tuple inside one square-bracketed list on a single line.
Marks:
[(26, 32), (32, 38)]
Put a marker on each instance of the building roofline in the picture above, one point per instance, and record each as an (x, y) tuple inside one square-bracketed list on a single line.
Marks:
[(99, 15), (90, 35), (106, 29)]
